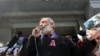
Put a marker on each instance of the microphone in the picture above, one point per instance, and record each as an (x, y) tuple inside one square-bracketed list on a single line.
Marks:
[(82, 33), (10, 45), (36, 33), (12, 41)]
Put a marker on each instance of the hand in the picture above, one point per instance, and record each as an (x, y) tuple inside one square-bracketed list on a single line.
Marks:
[(36, 32), (93, 34)]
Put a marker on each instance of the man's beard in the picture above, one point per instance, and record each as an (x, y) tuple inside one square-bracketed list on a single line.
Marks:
[(46, 30)]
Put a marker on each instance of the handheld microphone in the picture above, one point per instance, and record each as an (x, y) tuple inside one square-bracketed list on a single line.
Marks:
[(12, 41), (41, 27), (36, 31)]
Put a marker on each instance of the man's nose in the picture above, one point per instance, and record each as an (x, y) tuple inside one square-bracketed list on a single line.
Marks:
[(40, 24)]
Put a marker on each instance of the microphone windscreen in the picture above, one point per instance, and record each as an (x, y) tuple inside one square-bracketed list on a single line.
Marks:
[(82, 33)]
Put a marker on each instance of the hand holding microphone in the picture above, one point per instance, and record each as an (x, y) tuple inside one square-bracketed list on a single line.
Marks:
[(37, 31)]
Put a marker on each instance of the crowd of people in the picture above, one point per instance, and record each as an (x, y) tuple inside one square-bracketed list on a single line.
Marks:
[(44, 41)]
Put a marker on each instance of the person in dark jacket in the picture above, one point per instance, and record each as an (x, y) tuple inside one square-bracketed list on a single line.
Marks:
[(45, 42)]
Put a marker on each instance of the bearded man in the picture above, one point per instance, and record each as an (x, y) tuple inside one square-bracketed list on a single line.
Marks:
[(45, 42)]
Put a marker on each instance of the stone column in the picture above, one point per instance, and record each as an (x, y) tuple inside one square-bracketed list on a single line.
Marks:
[(93, 8), (5, 30)]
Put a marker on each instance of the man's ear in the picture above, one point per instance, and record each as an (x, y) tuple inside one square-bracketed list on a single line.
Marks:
[(51, 24)]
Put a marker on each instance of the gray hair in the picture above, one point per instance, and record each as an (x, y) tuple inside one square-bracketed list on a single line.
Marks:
[(50, 21), (97, 20)]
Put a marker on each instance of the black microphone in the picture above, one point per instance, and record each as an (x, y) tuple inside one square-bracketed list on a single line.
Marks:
[(12, 41), (82, 32), (36, 46), (41, 27)]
